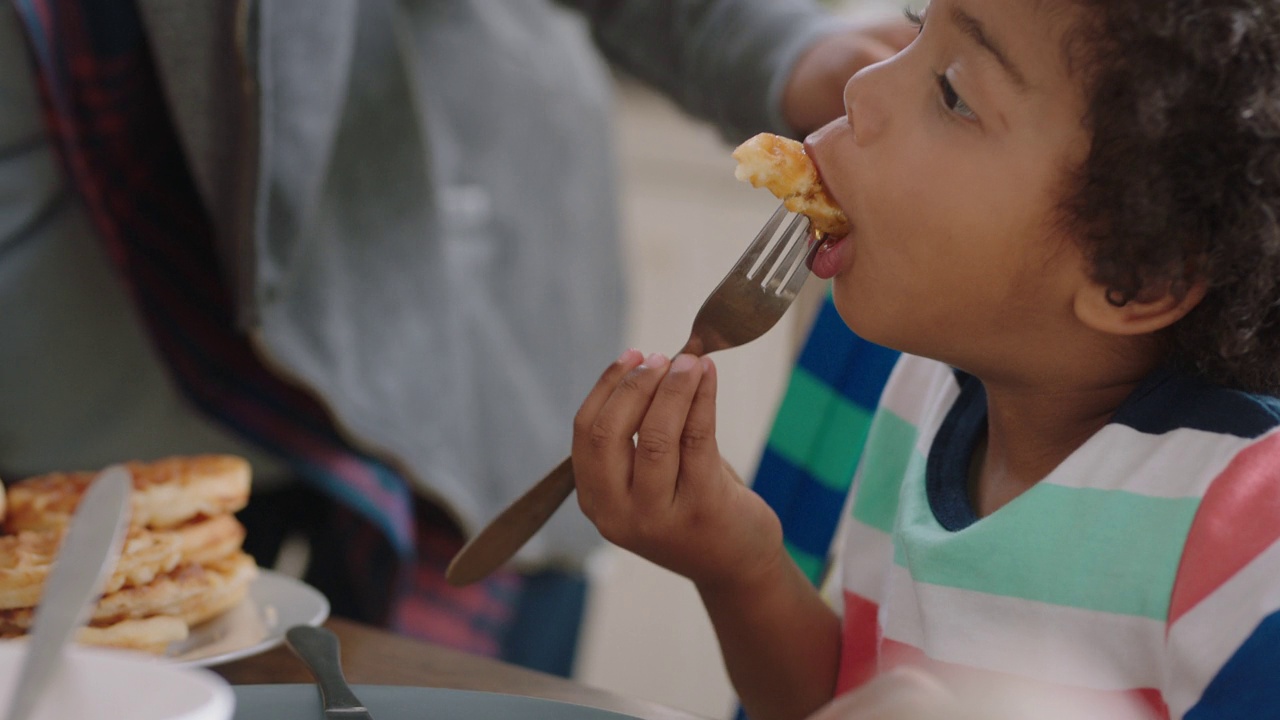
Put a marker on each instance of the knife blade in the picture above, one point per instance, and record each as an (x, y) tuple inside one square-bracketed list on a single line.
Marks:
[(319, 650), (85, 559), (499, 541)]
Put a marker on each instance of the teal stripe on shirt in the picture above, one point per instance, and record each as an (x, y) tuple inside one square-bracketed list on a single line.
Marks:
[(1124, 560), (890, 456)]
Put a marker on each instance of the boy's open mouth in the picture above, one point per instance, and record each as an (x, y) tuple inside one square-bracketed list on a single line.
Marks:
[(818, 241)]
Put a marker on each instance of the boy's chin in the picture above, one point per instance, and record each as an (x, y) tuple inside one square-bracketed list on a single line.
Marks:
[(858, 316)]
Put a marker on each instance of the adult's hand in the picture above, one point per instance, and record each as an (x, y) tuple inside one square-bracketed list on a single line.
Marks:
[(814, 94)]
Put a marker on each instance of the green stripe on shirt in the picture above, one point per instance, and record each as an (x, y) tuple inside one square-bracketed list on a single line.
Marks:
[(1123, 561), (890, 457)]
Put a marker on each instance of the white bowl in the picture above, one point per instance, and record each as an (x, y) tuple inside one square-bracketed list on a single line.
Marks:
[(102, 684)]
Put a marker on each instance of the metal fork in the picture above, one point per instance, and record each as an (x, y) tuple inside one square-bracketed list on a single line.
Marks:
[(750, 299)]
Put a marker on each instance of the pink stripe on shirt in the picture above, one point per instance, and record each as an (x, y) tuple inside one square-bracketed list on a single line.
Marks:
[(1235, 522)]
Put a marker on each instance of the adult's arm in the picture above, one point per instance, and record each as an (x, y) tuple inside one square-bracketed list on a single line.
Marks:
[(725, 61)]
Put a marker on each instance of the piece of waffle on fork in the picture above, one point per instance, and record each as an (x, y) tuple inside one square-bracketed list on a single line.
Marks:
[(781, 166)]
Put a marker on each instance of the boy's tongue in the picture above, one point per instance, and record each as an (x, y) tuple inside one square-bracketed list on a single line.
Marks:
[(824, 255)]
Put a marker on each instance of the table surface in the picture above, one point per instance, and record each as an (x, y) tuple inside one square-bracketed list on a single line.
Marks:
[(371, 656)]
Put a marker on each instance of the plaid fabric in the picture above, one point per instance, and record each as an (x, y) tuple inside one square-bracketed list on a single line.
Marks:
[(105, 111), (475, 618), (818, 434)]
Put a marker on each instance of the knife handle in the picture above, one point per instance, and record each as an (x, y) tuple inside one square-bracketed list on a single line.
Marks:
[(318, 649), (510, 530)]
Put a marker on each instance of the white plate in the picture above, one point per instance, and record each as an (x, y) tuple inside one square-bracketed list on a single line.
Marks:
[(386, 702), (275, 603)]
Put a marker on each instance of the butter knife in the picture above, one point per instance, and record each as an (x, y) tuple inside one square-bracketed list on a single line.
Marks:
[(86, 558), (318, 649)]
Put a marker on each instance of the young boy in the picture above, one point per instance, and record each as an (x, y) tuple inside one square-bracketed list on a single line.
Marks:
[(1067, 214)]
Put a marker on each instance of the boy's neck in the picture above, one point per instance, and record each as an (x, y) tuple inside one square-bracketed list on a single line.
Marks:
[(1031, 431)]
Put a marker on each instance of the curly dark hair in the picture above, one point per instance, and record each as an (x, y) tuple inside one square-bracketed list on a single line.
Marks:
[(1182, 182)]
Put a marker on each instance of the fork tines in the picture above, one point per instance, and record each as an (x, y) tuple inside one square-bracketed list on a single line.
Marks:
[(782, 269)]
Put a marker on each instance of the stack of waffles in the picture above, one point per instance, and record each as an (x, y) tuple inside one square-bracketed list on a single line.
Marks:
[(182, 562)]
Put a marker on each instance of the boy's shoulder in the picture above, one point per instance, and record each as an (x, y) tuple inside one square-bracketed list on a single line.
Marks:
[(1168, 401), (1176, 421)]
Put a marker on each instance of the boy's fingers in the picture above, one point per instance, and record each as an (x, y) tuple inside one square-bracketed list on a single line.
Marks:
[(602, 446), (657, 456), (700, 454), (603, 388)]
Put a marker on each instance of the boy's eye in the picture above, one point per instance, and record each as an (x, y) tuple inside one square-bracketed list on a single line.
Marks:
[(952, 100)]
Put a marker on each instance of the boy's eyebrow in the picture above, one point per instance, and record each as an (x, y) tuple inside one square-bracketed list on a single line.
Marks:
[(974, 28)]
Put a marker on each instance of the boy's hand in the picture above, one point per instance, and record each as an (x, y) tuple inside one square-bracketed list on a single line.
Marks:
[(667, 496)]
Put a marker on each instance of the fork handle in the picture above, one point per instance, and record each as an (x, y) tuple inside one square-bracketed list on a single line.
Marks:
[(499, 541)]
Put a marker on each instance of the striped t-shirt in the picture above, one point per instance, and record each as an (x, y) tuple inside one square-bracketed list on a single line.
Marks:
[(1146, 564)]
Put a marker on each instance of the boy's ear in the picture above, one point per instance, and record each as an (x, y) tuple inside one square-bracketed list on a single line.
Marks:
[(1151, 311)]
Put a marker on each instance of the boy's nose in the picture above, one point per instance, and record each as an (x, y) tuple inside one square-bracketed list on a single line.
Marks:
[(864, 105)]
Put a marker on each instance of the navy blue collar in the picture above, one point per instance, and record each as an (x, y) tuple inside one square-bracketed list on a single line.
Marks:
[(947, 470), (1164, 401)]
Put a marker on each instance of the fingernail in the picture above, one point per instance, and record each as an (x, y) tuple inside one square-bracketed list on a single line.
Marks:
[(626, 355), (683, 362), (656, 360)]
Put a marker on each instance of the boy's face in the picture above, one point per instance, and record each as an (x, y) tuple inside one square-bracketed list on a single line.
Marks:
[(951, 161)]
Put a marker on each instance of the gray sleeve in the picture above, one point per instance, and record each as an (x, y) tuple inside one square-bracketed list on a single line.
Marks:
[(725, 61)]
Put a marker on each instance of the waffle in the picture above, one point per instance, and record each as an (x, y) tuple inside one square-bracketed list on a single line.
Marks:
[(166, 493), (205, 540), (194, 593), (181, 564), (152, 634), (143, 616), (781, 166), (26, 558)]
